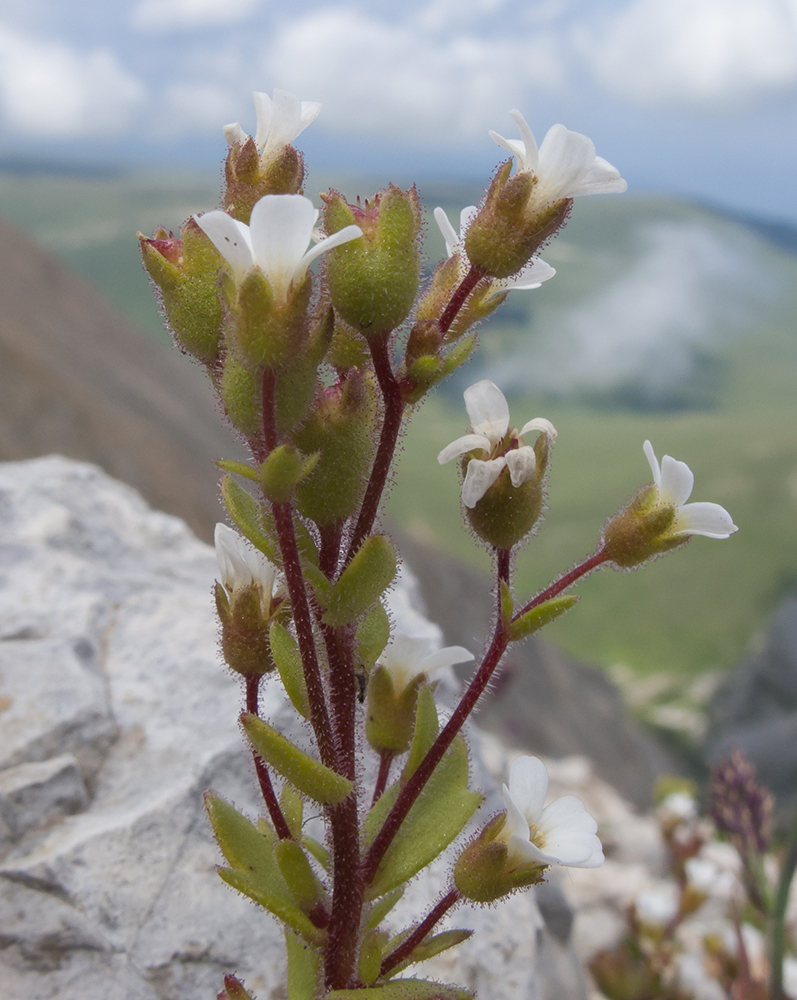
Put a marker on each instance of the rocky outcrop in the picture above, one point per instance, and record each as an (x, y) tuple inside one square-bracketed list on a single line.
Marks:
[(115, 716)]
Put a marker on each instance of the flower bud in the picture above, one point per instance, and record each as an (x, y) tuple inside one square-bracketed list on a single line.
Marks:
[(483, 872), (504, 235), (373, 284), (390, 714), (234, 990), (186, 272), (342, 432), (248, 179)]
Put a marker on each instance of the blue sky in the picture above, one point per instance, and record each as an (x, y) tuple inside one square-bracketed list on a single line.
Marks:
[(694, 97)]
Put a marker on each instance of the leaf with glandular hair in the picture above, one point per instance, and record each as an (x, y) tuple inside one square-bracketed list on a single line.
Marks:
[(363, 581), (254, 871), (372, 635), (370, 962), (239, 468), (246, 514), (438, 815), (429, 947), (404, 989), (288, 659), (292, 806), (382, 907), (310, 776), (304, 968), (298, 874), (544, 613)]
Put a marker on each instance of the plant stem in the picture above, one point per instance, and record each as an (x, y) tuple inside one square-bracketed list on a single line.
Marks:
[(779, 911), (394, 410), (575, 574), (263, 776), (457, 301), (406, 948), (385, 760), (347, 896)]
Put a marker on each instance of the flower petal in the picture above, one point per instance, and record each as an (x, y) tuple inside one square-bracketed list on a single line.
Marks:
[(462, 445), (528, 786), (602, 178), (531, 154), (512, 146), (521, 851), (566, 813), (449, 235), (531, 276), (521, 463), (445, 657), (234, 133), (677, 481), (707, 519), (650, 454), (539, 424), (264, 110), (231, 238), (488, 410), (327, 243), (281, 228), (479, 478), (516, 824), (565, 158)]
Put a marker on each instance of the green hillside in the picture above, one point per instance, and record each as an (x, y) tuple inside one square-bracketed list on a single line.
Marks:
[(695, 311)]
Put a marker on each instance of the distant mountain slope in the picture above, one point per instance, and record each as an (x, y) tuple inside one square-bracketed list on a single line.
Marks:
[(77, 377)]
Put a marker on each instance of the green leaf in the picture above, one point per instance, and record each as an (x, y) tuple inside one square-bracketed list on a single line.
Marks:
[(373, 634), (253, 870), (363, 581), (322, 587), (310, 776), (544, 613), (295, 869), (438, 815), (382, 907), (239, 468), (436, 944), (292, 806), (318, 851), (370, 962), (246, 514), (425, 733), (404, 989), (304, 968), (288, 659)]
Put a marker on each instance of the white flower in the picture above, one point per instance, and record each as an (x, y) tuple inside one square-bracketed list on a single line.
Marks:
[(276, 240), (279, 121), (679, 805), (489, 418), (530, 276), (242, 565), (406, 657), (790, 977), (562, 833), (657, 907), (673, 482), (565, 165)]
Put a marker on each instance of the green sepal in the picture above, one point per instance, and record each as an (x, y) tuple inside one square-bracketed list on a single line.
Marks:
[(288, 660), (422, 374), (363, 581), (482, 873), (370, 962), (507, 605), (283, 470), (239, 468), (253, 870), (389, 716), (247, 515), (240, 388), (295, 869), (372, 635), (439, 814), (292, 806), (544, 613), (404, 989), (310, 776), (304, 968), (382, 907), (425, 733), (459, 354)]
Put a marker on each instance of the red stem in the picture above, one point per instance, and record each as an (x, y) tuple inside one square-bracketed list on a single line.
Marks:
[(406, 948), (394, 410), (385, 760), (466, 286), (577, 573), (263, 777), (347, 897)]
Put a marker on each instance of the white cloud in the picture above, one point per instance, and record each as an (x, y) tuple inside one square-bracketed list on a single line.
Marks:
[(190, 108), (694, 52), (48, 88), (166, 15), (421, 78)]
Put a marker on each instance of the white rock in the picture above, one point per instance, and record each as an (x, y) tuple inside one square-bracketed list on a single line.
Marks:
[(32, 794)]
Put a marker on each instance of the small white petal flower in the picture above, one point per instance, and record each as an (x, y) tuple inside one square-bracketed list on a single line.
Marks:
[(673, 482), (279, 121), (530, 276), (406, 657), (241, 565), (565, 165), (657, 907), (679, 805), (489, 418), (562, 833), (276, 240)]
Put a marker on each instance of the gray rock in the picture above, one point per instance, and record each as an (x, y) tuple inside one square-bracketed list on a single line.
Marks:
[(756, 708), (108, 606), (32, 794)]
